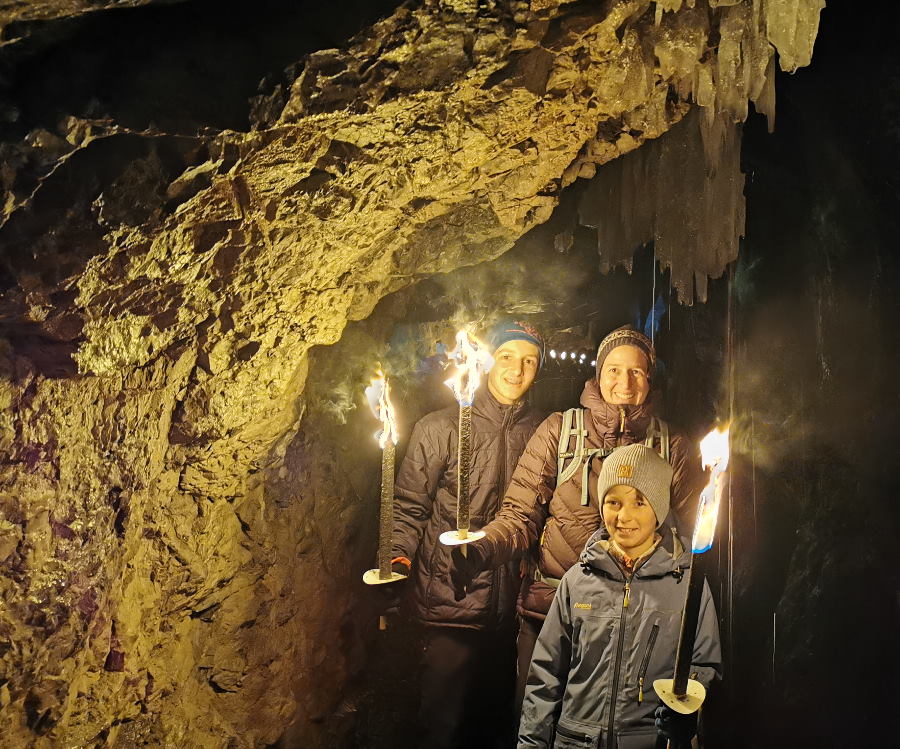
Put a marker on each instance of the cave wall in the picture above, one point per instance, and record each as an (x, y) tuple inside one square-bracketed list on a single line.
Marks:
[(165, 579), (815, 305)]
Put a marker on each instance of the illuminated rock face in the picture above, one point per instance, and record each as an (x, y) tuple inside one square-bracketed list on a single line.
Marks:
[(164, 576)]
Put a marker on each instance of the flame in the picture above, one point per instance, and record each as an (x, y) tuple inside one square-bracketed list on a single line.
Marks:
[(379, 396), (714, 453), (471, 358)]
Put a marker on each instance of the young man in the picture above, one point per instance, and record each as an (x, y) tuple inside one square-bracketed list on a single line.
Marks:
[(461, 678), (550, 509), (613, 627)]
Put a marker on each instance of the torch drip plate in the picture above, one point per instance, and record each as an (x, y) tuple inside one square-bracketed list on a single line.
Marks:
[(451, 538), (372, 577), (687, 704)]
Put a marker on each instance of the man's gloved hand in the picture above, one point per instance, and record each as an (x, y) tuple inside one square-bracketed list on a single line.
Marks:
[(389, 594), (464, 567), (677, 728)]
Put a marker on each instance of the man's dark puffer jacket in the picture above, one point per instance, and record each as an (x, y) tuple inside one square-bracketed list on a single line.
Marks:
[(425, 507)]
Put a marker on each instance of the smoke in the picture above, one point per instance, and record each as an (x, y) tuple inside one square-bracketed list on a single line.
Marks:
[(527, 282), (649, 325), (337, 402), (410, 332)]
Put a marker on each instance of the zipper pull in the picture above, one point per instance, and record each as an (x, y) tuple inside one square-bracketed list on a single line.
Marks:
[(627, 590), (621, 420), (640, 690)]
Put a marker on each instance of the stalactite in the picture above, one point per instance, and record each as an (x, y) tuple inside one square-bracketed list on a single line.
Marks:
[(686, 193), (671, 193)]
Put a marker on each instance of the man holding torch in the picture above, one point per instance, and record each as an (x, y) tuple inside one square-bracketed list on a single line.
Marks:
[(551, 509), (469, 645)]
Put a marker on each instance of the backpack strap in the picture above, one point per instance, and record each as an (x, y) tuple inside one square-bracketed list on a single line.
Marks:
[(589, 456), (565, 435), (567, 462), (658, 429)]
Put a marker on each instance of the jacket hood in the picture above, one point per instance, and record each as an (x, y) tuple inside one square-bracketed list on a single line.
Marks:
[(608, 417), (673, 555)]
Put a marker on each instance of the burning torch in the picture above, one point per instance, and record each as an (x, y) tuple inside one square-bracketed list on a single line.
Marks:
[(379, 397), (681, 693), (471, 359)]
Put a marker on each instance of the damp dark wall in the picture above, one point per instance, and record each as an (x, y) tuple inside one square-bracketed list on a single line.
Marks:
[(812, 600), (174, 67)]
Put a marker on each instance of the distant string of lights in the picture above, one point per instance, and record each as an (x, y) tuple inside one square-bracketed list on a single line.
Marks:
[(572, 357)]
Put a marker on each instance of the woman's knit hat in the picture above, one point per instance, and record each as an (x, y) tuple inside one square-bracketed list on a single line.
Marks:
[(627, 336), (640, 467)]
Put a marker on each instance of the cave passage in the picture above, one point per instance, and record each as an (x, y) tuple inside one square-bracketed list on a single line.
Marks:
[(217, 218), (551, 279)]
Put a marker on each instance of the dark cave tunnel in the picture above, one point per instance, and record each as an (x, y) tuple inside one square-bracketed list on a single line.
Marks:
[(796, 343)]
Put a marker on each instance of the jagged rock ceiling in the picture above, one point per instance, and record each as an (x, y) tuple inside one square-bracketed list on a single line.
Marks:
[(161, 292)]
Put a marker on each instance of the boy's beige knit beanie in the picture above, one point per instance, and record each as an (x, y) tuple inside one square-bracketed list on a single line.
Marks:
[(641, 467)]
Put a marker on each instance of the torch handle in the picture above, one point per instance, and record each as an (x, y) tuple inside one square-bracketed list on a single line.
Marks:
[(386, 512), (688, 634), (462, 472)]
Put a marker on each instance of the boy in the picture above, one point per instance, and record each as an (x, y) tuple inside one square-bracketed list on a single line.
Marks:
[(613, 626)]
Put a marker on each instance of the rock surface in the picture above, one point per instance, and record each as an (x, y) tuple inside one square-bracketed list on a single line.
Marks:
[(166, 579)]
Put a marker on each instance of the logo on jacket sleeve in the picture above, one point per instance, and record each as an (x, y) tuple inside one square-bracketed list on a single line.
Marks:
[(584, 606)]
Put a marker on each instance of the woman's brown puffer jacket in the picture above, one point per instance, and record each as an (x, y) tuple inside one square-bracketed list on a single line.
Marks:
[(537, 511)]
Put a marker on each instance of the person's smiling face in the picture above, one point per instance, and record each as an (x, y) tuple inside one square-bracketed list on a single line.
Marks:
[(515, 367), (624, 379), (630, 519)]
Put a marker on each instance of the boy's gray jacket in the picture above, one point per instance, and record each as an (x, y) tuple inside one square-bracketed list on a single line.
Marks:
[(595, 661)]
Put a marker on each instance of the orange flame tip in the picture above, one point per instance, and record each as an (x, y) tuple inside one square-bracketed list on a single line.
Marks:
[(378, 395), (472, 359), (715, 453)]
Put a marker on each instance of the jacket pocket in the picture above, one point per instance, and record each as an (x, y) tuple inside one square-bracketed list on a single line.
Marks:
[(570, 735), (642, 672), (644, 740)]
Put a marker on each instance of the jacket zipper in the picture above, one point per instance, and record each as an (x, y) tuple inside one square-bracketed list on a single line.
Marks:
[(615, 688), (642, 672), (621, 421), (501, 484), (501, 492), (582, 737)]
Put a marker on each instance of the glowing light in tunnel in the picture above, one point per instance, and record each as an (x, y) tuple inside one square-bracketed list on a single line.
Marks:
[(715, 452), (472, 359), (562, 355), (379, 396), (552, 353)]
